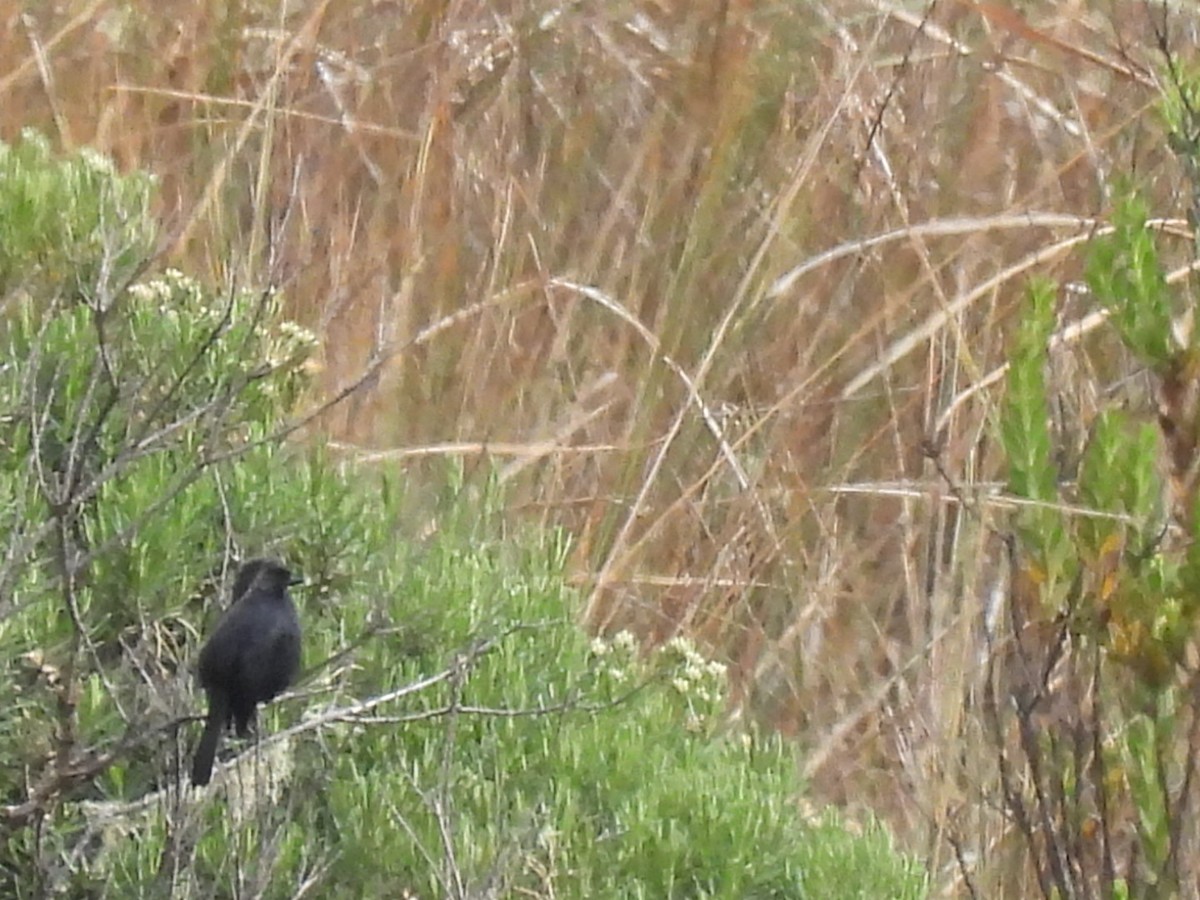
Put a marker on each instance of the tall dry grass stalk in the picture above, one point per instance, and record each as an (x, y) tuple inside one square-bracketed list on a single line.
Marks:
[(723, 287)]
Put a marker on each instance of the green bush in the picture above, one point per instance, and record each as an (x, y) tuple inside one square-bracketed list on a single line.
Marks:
[(70, 226), (455, 733), (1104, 612)]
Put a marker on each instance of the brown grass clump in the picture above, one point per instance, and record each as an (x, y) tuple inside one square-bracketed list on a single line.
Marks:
[(722, 287)]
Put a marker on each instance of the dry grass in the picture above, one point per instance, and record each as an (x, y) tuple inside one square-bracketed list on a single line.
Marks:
[(723, 287)]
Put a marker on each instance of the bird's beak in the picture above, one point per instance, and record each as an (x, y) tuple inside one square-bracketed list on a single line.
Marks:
[(295, 579)]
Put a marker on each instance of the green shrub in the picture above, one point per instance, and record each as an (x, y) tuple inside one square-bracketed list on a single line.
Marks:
[(1104, 611), (455, 733)]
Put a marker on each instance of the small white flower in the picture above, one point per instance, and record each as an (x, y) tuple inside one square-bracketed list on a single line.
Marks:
[(298, 334), (97, 161), (680, 645)]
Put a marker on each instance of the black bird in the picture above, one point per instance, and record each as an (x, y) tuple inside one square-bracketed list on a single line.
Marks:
[(251, 657)]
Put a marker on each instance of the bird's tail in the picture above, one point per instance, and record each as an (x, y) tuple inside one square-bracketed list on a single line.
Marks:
[(206, 750)]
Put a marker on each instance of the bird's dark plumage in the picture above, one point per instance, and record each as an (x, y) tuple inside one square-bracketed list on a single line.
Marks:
[(251, 657)]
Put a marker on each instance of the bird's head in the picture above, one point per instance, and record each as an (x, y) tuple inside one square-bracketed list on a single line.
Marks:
[(263, 572)]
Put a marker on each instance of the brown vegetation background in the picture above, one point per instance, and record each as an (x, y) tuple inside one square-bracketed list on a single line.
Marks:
[(722, 288)]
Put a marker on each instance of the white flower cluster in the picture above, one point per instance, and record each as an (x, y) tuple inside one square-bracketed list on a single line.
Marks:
[(97, 161), (615, 657), (699, 682), (292, 345), (694, 676), (623, 641), (168, 292)]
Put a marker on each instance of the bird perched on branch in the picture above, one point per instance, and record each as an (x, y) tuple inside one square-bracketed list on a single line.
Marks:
[(251, 657)]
